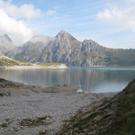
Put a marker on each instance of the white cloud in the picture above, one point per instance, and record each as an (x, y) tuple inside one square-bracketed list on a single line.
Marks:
[(41, 38), (11, 22), (16, 28), (117, 15), (51, 12), (24, 11)]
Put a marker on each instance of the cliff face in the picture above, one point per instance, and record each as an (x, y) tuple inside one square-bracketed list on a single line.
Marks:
[(64, 48)]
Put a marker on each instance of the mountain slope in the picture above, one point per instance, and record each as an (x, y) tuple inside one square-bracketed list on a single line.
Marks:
[(64, 48), (122, 57), (6, 61), (111, 117)]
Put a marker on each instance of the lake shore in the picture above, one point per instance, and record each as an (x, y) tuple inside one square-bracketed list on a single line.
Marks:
[(32, 67), (35, 110)]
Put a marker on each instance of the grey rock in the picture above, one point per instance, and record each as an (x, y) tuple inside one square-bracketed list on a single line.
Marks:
[(64, 48)]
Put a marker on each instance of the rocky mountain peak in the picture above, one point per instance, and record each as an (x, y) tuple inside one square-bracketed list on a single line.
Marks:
[(5, 40), (6, 44), (62, 35), (5, 36), (62, 32)]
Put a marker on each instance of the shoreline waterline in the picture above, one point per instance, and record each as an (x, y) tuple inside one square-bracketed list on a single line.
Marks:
[(32, 67), (90, 80)]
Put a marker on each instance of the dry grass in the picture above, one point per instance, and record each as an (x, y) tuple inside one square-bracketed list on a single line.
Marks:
[(35, 122), (50, 64)]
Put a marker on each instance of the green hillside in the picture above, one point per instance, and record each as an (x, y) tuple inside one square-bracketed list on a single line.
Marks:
[(6, 61)]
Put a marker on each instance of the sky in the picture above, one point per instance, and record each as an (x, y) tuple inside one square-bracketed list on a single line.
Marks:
[(110, 23)]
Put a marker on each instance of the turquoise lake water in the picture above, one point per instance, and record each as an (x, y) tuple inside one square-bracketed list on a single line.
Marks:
[(94, 80)]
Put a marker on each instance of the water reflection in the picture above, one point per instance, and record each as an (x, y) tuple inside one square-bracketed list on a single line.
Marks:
[(89, 79)]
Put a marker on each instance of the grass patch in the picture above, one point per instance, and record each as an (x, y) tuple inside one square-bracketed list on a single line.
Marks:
[(4, 125), (42, 133), (7, 62), (13, 62), (35, 122), (66, 121), (49, 64)]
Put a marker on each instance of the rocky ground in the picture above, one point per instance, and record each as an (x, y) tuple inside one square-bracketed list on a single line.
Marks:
[(34, 110)]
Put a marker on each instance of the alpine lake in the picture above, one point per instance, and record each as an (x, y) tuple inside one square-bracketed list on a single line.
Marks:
[(90, 80)]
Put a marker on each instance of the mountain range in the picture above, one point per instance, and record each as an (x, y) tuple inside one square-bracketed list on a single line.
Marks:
[(64, 48)]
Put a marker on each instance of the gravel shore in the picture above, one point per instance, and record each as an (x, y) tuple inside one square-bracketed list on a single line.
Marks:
[(34, 110)]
